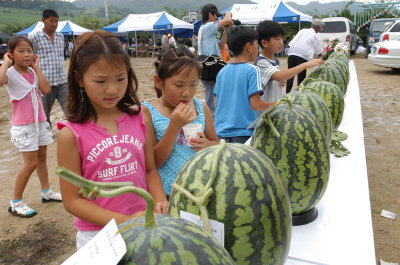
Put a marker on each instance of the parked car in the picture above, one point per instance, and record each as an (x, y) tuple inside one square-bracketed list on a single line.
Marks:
[(386, 54), (391, 32), (376, 28), (341, 28)]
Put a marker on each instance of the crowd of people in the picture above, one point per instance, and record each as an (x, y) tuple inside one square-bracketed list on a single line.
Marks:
[(110, 135)]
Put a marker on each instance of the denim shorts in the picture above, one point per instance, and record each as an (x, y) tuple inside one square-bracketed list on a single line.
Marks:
[(27, 139)]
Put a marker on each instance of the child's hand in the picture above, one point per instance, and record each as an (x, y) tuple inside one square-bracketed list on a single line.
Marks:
[(35, 62), (161, 207), (282, 83), (314, 62), (7, 59), (182, 115), (201, 142)]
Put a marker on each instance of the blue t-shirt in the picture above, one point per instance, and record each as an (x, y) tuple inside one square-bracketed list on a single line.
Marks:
[(235, 84), (181, 152), (207, 40)]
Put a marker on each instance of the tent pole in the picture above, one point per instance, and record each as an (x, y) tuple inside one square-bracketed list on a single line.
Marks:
[(136, 43)]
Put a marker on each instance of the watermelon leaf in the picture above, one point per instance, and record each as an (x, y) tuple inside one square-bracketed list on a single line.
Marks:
[(338, 149), (338, 135)]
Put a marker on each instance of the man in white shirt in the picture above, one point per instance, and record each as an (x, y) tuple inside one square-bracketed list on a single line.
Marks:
[(302, 49)]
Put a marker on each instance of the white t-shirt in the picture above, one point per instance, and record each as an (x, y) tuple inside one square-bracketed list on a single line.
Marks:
[(272, 88), (305, 44)]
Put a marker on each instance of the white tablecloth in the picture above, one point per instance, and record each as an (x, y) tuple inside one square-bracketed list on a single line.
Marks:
[(342, 233)]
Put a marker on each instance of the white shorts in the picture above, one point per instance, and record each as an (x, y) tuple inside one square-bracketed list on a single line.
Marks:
[(83, 237), (26, 138)]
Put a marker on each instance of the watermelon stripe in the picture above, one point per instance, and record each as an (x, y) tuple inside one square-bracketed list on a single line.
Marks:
[(241, 202), (332, 96), (172, 241), (299, 155)]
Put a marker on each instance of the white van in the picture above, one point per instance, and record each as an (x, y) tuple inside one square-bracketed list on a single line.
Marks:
[(342, 28)]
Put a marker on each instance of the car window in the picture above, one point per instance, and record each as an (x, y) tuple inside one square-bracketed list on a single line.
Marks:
[(378, 26), (396, 28), (334, 27)]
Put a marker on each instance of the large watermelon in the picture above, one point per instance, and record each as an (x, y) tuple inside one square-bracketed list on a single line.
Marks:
[(170, 241), (299, 150), (239, 186), (151, 239), (314, 103), (342, 67), (332, 96), (329, 74)]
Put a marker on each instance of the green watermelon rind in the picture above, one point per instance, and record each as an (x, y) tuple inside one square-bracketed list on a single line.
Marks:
[(300, 154), (171, 241), (333, 97), (317, 106), (249, 198)]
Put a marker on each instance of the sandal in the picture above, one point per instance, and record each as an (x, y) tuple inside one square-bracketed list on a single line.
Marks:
[(51, 196), (21, 209)]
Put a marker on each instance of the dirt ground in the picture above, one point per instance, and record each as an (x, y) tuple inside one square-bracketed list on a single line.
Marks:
[(49, 238)]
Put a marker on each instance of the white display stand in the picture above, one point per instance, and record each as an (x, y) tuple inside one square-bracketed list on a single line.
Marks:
[(342, 233)]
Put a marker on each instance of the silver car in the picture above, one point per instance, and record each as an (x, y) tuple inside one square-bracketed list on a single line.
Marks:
[(386, 54)]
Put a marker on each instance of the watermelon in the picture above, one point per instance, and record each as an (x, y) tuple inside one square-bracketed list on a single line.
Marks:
[(170, 241), (151, 239), (292, 138), (327, 73), (317, 106), (239, 186), (340, 55), (331, 95), (341, 67)]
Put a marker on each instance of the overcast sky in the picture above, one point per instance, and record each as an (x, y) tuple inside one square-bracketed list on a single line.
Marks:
[(303, 2)]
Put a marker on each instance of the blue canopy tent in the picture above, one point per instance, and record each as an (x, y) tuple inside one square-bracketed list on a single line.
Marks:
[(160, 22), (66, 27), (30, 30)]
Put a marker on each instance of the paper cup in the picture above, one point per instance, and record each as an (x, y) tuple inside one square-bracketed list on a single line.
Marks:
[(190, 131)]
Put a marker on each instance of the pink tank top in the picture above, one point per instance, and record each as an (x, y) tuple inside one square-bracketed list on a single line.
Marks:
[(23, 109), (112, 158)]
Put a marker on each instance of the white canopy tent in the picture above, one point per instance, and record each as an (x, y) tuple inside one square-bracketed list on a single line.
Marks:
[(276, 11), (160, 21)]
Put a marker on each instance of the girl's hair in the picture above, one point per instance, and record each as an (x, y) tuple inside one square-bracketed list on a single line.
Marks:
[(172, 61), (15, 40), (88, 49)]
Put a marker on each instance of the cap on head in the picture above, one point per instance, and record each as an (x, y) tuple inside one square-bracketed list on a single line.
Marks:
[(210, 8), (317, 23)]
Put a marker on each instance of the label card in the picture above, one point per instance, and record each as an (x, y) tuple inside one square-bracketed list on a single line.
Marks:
[(388, 214), (105, 248), (217, 228)]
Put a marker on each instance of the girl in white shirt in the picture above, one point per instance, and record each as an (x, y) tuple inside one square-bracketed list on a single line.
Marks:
[(29, 132)]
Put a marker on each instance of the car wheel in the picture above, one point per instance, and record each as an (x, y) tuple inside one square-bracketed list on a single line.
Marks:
[(396, 70)]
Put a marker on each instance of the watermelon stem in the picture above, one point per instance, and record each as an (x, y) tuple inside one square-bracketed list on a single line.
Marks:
[(202, 198), (271, 124), (93, 189)]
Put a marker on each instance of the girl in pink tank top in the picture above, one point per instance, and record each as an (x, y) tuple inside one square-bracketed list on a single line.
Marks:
[(105, 136)]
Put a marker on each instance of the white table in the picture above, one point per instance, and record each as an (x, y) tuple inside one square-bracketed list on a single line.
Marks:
[(342, 233)]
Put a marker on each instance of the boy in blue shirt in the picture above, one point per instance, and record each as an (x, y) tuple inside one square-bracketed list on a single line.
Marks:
[(238, 88)]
